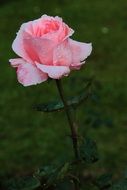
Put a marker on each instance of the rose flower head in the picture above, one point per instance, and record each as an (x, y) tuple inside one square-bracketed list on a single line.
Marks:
[(47, 51)]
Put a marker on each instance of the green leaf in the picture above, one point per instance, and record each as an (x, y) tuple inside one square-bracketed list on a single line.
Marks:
[(58, 105), (24, 183), (63, 171), (125, 174), (44, 172), (89, 151), (50, 107), (121, 185), (65, 185), (104, 181), (58, 174), (50, 175)]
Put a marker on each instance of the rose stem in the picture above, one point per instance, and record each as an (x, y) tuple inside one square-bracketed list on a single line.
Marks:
[(71, 123)]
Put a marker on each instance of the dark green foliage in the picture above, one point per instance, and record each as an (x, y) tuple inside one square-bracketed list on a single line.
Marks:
[(125, 173), (73, 102), (64, 185), (50, 107), (120, 185), (96, 119), (89, 151), (50, 175), (104, 181), (24, 183), (44, 172)]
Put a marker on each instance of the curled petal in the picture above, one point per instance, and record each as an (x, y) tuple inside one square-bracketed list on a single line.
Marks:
[(18, 45), (16, 62), (29, 75), (77, 66), (63, 30), (80, 51), (55, 72)]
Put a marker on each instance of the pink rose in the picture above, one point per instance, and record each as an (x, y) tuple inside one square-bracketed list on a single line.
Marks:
[(46, 50)]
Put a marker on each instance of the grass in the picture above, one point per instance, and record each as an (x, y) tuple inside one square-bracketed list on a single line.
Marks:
[(30, 139)]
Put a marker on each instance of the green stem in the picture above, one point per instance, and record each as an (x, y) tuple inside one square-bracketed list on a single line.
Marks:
[(72, 125), (70, 120)]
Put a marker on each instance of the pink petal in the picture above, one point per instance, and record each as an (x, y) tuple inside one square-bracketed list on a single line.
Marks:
[(28, 75), (80, 51), (16, 62), (55, 72), (64, 30), (59, 33), (62, 55), (18, 45), (76, 66), (40, 49)]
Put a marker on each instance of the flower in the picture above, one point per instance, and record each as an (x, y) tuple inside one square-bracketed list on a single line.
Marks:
[(46, 50)]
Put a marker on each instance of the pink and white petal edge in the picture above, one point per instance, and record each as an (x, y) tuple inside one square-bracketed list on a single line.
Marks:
[(18, 46), (55, 72), (16, 62), (28, 75), (77, 66), (80, 50)]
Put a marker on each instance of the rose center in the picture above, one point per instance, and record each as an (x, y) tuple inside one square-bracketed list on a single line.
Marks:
[(46, 27)]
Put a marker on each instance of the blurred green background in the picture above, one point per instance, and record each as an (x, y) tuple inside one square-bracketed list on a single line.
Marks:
[(28, 138)]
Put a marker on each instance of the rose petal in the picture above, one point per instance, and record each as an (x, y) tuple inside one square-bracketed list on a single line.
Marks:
[(40, 50), (18, 45), (80, 51), (16, 62), (28, 75), (62, 55), (55, 72), (77, 66), (62, 32)]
